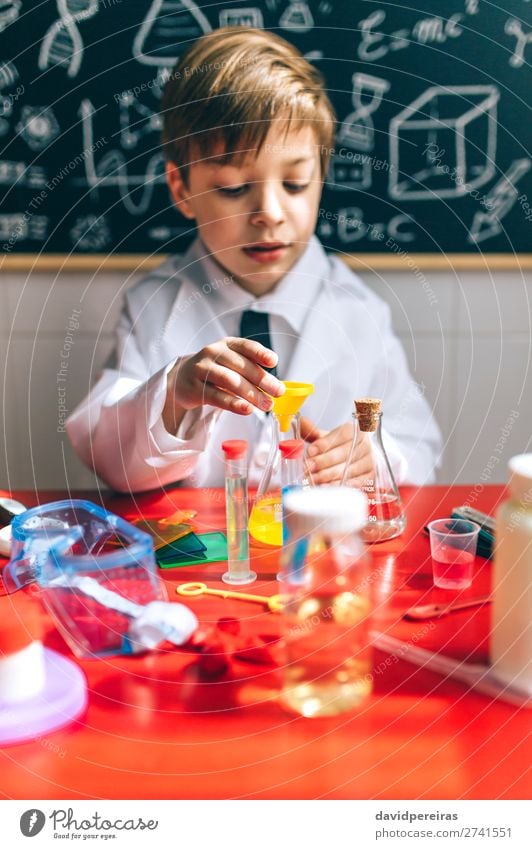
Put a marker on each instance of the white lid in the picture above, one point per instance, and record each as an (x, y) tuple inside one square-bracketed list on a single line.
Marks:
[(12, 506), (520, 484), (5, 541), (325, 509)]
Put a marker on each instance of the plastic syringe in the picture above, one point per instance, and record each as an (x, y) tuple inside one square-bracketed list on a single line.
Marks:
[(236, 510)]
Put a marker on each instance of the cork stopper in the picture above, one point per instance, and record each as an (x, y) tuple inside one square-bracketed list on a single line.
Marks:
[(368, 411)]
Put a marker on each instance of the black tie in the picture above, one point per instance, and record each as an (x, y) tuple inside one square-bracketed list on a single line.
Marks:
[(255, 325)]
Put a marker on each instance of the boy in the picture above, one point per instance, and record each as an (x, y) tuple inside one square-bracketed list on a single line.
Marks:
[(247, 133)]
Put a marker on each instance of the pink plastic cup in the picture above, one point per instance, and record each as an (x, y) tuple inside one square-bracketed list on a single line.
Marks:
[(453, 545)]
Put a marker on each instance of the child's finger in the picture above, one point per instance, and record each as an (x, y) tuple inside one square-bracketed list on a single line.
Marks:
[(361, 471), (309, 431), (227, 379), (254, 373), (225, 401), (332, 474), (338, 436), (330, 458), (257, 353)]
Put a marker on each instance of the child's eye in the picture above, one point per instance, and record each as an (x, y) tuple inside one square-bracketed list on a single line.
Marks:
[(232, 191), (296, 187)]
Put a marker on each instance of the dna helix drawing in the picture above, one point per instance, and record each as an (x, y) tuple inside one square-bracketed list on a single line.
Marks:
[(62, 44)]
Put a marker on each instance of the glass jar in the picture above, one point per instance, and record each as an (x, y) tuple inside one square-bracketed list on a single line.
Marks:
[(327, 604)]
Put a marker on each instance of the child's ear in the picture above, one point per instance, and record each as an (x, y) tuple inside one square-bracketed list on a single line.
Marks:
[(178, 190)]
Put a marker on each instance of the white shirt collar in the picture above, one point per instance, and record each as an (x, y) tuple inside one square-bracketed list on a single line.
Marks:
[(291, 299)]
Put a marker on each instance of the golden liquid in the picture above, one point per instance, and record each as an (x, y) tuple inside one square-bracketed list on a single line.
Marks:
[(266, 521), (328, 667)]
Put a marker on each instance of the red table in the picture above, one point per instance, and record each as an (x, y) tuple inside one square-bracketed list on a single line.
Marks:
[(154, 730)]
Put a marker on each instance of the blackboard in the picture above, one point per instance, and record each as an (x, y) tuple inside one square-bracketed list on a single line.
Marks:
[(432, 151)]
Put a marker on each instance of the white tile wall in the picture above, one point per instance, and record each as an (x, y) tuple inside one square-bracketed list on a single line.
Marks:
[(4, 312), (495, 303), (8, 444), (420, 303), (468, 337), (39, 454), (44, 302), (432, 364), (493, 404)]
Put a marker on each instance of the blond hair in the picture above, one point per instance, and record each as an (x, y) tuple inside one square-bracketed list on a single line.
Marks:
[(229, 88)]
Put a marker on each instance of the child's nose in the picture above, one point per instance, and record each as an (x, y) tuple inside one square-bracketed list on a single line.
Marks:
[(269, 209)]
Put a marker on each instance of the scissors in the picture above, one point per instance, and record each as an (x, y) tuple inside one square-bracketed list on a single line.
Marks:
[(274, 602)]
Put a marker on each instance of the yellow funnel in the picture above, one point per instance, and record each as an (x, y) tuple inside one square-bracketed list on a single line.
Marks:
[(290, 403)]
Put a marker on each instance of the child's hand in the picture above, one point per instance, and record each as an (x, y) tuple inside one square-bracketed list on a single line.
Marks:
[(329, 452), (228, 374)]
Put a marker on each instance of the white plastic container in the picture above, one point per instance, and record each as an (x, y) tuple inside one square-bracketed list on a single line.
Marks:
[(40, 690), (21, 653), (511, 620)]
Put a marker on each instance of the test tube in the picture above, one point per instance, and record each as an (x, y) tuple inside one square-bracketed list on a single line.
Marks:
[(292, 472), (292, 476), (236, 511)]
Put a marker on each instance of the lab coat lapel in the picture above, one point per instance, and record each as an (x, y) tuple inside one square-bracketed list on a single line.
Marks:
[(308, 361), (311, 358), (203, 325)]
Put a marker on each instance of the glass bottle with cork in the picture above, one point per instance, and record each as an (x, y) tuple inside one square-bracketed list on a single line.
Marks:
[(386, 518)]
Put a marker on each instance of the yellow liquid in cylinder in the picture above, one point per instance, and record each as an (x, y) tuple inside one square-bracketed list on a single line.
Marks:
[(328, 668), (266, 520)]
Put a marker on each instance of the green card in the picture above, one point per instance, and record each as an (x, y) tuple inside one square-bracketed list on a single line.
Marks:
[(189, 546), (215, 549)]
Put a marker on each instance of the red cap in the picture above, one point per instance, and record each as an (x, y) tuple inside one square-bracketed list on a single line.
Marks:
[(20, 625), (234, 448), (291, 448)]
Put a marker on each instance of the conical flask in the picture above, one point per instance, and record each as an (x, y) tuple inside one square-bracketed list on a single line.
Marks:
[(167, 30), (386, 518), (266, 520), (297, 17)]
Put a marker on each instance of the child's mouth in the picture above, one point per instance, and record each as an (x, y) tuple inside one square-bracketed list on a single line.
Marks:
[(264, 252)]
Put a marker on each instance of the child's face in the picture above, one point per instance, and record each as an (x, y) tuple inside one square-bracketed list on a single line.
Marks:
[(256, 217)]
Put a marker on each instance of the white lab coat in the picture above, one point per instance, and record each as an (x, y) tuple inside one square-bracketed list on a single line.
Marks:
[(341, 341)]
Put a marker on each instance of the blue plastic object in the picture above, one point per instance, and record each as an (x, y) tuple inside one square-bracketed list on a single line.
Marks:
[(56, 543)]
